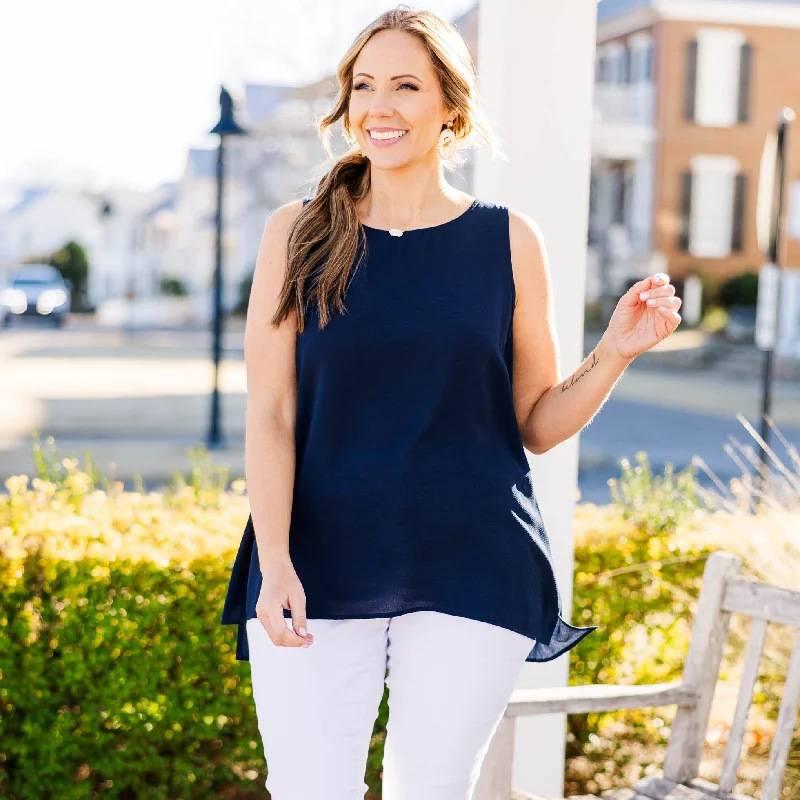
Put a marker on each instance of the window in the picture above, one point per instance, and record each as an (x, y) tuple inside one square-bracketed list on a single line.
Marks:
[(625, 66), (708, 208), (647, 61), (641, 48), (718, 78), (615, 63)]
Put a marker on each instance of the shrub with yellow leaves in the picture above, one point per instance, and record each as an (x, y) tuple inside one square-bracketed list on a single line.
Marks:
[(115, 673)]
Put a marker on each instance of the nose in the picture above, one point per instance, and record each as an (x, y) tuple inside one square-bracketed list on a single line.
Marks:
[(381, 107)]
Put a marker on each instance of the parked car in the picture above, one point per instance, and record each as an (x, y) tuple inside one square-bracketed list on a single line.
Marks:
[(35, 291)]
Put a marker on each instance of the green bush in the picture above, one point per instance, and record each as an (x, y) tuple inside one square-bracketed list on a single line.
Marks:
[(173, 287), (71, 261), (740, 290), (116, 678)]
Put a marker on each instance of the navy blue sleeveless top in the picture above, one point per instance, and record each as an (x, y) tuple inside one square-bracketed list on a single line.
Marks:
[(412, 488)]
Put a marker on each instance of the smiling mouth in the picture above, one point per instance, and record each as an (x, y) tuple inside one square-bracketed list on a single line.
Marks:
[(381, 136)]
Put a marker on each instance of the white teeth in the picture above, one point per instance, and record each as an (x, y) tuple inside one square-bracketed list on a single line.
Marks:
[(387, 134)]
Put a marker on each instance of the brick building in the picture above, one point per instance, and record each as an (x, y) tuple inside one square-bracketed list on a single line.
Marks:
[(686, 92)]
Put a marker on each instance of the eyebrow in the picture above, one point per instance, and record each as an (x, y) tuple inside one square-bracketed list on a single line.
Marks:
[(393, 78)]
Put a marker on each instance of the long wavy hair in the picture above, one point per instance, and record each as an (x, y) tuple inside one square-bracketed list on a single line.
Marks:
[(326, 241)]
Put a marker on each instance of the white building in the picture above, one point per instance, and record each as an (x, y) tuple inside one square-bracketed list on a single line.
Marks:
[(43, 219)]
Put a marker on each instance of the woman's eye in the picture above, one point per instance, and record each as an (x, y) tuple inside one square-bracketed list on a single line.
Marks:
[(358, 86)]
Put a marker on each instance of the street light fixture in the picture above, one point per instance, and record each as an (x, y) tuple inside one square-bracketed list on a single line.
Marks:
[(227, 126)]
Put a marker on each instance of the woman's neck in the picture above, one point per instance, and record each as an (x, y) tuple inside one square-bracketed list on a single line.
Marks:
[(398, 197)]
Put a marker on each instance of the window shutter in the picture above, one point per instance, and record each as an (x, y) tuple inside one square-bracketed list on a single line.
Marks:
[(686, 210), (691, 78), (739, 201), (746, 55), (627, 66), (618, 207)]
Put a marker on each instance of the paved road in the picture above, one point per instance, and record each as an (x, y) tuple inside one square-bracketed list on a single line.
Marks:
[(141, 400), (624, 427)]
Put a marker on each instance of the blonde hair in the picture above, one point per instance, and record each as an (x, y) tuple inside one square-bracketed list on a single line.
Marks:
[(326, 241)]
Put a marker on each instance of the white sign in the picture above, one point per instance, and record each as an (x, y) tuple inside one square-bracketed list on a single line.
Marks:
[(767, 309)]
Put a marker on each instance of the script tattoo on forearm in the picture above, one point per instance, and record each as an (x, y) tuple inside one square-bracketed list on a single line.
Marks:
[(575, 378)]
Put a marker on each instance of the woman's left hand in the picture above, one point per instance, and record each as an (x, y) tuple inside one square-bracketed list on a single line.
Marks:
[(645, 314)]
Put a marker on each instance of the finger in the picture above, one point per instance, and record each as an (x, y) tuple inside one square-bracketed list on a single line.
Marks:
[(286, 636), (669, 302), (275, 623), (642, 289), (289, 638), (669, 312), (298, 606), (663, 291), (656, 281), (269, 619)]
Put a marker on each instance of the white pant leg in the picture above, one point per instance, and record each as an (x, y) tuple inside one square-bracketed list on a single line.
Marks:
[(317, 706), (450, 679)]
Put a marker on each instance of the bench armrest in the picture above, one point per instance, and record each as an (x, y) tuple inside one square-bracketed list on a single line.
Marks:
[(597, 697)]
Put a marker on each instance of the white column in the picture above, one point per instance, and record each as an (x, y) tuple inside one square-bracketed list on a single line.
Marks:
[(536, 62)]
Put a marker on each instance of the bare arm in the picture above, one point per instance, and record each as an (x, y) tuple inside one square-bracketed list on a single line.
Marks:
[(549, 410), (269, 355)]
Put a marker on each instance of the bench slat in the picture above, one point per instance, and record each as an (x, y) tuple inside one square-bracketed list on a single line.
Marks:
[(762, 601), (733, 749), (713, 789), (779, 749), (657, 788), (596, 697)]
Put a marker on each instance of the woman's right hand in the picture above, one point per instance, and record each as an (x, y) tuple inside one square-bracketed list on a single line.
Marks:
[(281, 588)]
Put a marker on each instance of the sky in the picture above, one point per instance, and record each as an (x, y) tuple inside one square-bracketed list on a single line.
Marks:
[(105, 94)]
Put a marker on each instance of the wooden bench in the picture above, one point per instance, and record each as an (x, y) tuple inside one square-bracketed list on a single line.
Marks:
[(722, 593)]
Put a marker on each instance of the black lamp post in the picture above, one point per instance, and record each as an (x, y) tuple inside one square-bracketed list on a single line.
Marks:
[(227, 126), (771, 211)]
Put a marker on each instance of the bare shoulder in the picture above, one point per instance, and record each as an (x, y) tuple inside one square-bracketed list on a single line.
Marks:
[(528, 255), (282, 217), (526, 235), (273, 250), (271, 267)]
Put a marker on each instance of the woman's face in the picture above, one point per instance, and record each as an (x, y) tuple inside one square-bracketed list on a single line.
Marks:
[(396, 110)]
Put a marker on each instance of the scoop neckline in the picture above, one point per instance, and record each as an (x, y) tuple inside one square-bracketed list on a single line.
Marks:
[(463, 214)]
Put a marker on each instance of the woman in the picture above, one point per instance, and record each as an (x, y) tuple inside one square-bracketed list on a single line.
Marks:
[(393, 520)]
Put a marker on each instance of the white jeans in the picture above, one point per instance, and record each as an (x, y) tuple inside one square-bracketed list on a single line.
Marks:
[(449, 678)]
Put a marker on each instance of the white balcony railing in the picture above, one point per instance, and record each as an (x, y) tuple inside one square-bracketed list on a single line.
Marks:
[(624, 104)]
